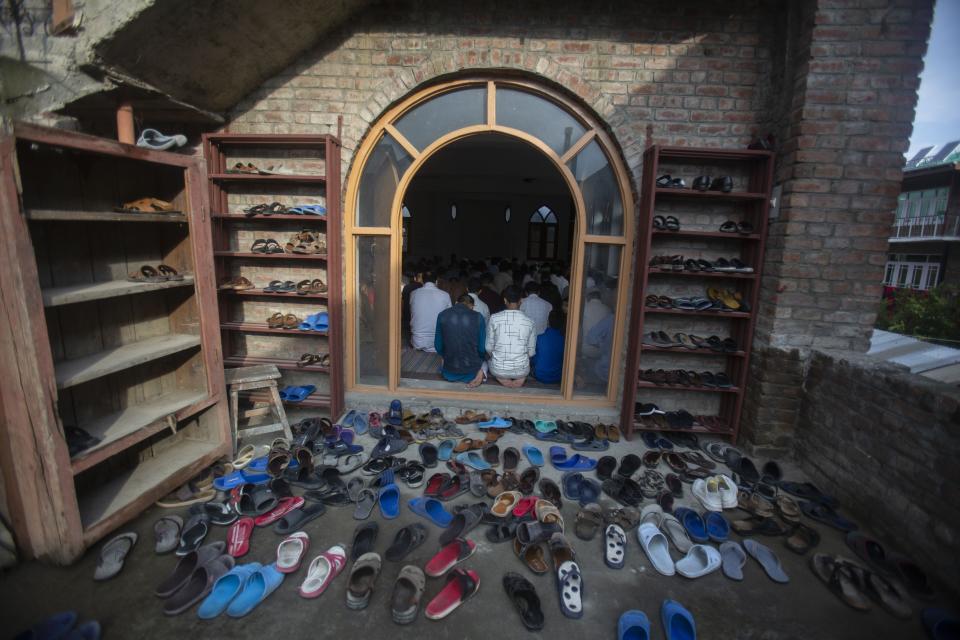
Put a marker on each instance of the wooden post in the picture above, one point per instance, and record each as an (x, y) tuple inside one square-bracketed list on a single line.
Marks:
[(125, 131)]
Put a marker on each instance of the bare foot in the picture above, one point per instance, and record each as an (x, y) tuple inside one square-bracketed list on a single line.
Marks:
[(477, 380)]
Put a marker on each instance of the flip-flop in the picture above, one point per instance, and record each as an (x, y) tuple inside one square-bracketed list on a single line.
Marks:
[(406, 540), (321, 572), (431, 509), (615, 540), (225, 589), (166, 533), (534, 455), (366, 501), (559, 459), (733, 559), (591, 444), (838, 574), (296, 518), (113, 555), (524, 597), (389, 496), (825, 514), (258, 587), (193, 533), (767, 559), (570, 586), (238, 537), (633, 625), (461, 585), (449, 556)]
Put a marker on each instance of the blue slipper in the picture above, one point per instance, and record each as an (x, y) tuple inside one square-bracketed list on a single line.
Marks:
[(309, 209), (225, 589), (577, 462), (56, 626), (261, 584), (308, 322), (545, 426), (534, 455), (88, 630), (237, 478), (555, 436), (360, 424), (494, 423), (677, 622), (473, 459), (395, 415), (940, 623), (572, 483), (348, 418), (445, 450), (693, 523), (297, 394), (389, 495), (431, 509), (258, 464), (654, 440), (633, 625), (718, 529)]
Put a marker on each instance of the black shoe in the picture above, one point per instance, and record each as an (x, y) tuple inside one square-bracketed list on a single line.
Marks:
[(723, 183), (702, 183)]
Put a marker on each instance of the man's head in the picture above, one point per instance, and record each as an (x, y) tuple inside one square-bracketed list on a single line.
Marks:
[(465, 300), (511, 296), (473, 285), (531, 288), (429, 275), (557, 320)]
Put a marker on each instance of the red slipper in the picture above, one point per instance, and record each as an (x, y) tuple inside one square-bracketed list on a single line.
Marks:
[(461, 584), (285, 506), (524, 506), (454, 488), (238, 537), (449, 556), (434, 484)]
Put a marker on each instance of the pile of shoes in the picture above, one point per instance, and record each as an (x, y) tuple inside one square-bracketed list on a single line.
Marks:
[(694, 265), (679, 377), (715, 300), (662, 340)]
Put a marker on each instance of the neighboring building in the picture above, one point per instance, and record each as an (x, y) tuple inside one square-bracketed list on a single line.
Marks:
[(925, 239)]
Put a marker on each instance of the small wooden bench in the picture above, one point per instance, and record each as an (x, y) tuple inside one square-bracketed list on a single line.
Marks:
[(255, 378)]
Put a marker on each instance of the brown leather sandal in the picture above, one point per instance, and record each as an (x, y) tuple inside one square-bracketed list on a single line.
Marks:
[(275, 321), (291, 321)]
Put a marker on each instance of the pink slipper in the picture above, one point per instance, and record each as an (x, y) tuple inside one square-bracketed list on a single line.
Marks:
[(461, 584), (321, 572), (290, 552), (285, 506), (449, 556), (524, 506), (238, 537)]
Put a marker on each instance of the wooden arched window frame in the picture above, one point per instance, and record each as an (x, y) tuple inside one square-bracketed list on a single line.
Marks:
[(543, 234), (404, 137)]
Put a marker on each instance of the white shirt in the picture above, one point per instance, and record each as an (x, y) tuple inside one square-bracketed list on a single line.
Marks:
[(426, 303), (538, 310), (511, 342), (561, 282), (481, 307), (593, 312), (502, 280)]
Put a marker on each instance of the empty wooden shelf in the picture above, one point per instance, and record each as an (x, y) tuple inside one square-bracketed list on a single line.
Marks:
[(73, 372), (67, 215), (72, 294)]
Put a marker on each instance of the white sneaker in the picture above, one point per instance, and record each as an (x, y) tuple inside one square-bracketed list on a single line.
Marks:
[(708, 493), (728, 491)]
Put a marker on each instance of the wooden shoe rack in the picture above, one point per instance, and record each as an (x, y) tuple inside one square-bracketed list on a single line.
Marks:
[(700, 214), (310, 174), (135, 364)]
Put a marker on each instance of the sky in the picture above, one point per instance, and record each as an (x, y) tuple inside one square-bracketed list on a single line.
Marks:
[(938, 108)]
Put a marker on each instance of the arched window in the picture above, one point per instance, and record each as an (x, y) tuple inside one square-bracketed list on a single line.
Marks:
[(542, 235)]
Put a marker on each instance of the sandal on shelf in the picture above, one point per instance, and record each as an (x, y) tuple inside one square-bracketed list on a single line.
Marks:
[(147, 205), (146, 274)]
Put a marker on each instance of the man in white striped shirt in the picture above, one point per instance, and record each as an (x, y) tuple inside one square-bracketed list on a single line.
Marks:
[(511, 341)]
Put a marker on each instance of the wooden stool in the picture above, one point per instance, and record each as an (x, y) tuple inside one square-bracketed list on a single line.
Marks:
[(261, 376)]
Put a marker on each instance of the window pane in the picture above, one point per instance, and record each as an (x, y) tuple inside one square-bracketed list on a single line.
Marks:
[(601, 274), (441, 115), (539, 117), (373, 306), (536, 218), (378, 183), (601, 195)]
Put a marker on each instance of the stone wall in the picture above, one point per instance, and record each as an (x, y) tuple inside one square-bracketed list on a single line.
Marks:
[(886, 443)]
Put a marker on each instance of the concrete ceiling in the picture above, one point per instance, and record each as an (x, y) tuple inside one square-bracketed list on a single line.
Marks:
[(211, 54)]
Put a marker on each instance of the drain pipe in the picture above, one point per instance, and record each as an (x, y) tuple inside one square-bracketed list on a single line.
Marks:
[(125, 130)]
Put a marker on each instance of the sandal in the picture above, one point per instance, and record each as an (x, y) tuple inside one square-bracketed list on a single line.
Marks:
[(146, 274), (170, 273)]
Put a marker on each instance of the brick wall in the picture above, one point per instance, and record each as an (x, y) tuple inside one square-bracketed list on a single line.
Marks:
[(886, 444), (835, 79)]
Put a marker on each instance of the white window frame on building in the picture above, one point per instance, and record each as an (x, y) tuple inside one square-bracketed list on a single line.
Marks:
[(912, 271)]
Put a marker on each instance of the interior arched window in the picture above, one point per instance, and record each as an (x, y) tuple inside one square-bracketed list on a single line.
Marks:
[(542, 234)]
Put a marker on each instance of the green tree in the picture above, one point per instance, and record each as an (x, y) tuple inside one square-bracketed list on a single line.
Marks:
[(932, 315)]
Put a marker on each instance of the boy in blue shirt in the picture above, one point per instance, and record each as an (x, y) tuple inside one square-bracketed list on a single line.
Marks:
[(547, 363)]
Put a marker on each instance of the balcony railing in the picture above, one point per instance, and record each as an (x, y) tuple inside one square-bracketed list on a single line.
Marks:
[(926, 228)]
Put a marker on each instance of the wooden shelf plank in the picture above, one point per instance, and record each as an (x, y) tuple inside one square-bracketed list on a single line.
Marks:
[(701, 153), (705, 234), (641, 426), (313, 402), (693, 352), (707, 314), (280, 178), (643, 384), (131, 425), (704, 274), (75, 215), (270, 256), (57, 296), (261, 327), (125, 489), (733, 196), (280, 216), (281, 363), (79, 370), (272, 140), (292, 296)]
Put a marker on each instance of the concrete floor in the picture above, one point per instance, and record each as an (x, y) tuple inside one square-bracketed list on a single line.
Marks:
[(757, 608)]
